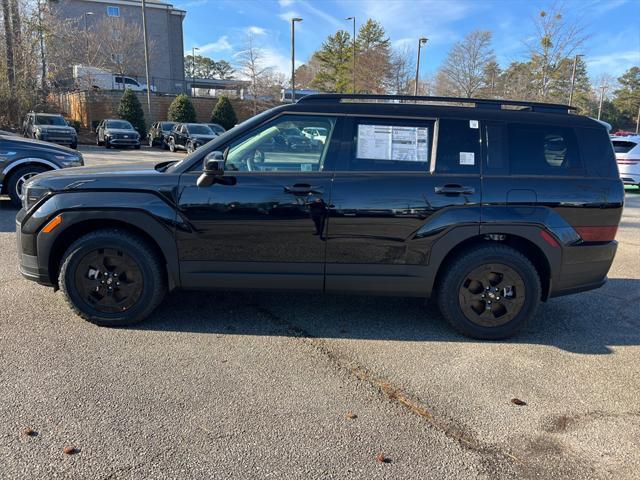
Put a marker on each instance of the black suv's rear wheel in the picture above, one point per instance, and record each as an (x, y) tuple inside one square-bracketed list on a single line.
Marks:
[(489, 292), (112, 278), (17, 180)]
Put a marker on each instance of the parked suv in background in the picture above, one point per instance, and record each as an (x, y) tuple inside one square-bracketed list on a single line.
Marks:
[(189, 136), (21, 159), (489, 206), (159, 133), (628, 157), (49, 127), (117, 133)]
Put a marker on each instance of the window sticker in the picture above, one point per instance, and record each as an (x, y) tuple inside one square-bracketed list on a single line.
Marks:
[(387, 142), (473, 123), (467, 158), (306, 167)]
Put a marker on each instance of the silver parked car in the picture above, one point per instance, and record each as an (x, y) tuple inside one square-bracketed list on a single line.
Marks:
[(628, 158)]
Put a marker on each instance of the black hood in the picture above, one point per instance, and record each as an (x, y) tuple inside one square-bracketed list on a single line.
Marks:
[(27, 143)]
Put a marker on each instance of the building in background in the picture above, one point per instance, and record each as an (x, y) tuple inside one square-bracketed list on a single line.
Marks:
[(113, 25)]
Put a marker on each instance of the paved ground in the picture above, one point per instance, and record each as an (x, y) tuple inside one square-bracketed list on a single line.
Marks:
[(240, 385)]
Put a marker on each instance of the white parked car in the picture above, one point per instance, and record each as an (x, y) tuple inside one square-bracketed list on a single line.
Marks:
[(628, 157)]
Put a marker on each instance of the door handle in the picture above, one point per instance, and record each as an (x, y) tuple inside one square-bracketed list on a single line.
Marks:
[(303, 189), (451, 189)]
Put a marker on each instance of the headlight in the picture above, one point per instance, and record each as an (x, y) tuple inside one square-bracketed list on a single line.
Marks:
[(70, 160), (33, 195)]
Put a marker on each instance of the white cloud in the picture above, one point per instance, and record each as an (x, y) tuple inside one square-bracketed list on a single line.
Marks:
[(336, 22), (612, 63), (220, 45), (256, 30), (285, 3), (288, 15)]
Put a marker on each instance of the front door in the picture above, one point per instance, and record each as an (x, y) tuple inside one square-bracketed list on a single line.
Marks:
[(265, 226), (399, 187)]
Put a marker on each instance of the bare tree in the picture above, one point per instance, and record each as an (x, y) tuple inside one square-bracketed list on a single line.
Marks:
[(557, 38), (463, 69), (116, 44), (251, 65), (402, 71)]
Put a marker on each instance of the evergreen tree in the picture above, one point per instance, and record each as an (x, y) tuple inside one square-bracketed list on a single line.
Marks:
[(373, 58), (224, 114), (334, 60), (627, 98), (130, 109), (182, 110)]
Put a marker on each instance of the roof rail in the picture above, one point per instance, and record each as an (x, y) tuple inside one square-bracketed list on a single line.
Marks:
[(447, 101)]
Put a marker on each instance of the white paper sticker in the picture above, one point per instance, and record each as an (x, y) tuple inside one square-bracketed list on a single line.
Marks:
[(473, 123), (306, 167), (467, 158), (387, 142)]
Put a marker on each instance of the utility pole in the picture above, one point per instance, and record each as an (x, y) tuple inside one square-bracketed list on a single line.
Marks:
[(421, 41), (573, 77), (86, 34), (146, 56), (602, 89), (293, 58), (354, 52)]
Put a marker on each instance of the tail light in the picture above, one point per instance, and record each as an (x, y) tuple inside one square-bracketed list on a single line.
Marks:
[(627, 162), (597, 234)]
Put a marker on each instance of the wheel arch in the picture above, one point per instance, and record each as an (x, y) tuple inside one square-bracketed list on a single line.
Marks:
[(159, 239), (545, 262), (24, 162)]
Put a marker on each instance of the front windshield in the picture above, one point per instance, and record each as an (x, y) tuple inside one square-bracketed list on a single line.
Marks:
[(196, 129), (121, 124), (50, 120), (167, 125), (216, 128)]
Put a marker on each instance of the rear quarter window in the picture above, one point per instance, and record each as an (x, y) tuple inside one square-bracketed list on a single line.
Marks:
[(597, 152), (458, 146), (543, 150)]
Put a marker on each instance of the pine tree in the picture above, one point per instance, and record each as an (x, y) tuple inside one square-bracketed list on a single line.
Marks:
[(224, 114), (373, 58), (627, 97), (182, 110), (130, 109), (334, 59)]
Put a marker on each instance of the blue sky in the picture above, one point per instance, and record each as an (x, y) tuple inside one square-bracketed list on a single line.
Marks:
[(219, 27)]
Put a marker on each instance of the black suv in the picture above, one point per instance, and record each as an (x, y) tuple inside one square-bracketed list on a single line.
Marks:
[(159, 134), (21, 159), (49, 127), (189, 136), (489, 206)]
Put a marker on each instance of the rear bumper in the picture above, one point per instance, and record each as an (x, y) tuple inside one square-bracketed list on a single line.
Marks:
[(584, 267), (630, 179)]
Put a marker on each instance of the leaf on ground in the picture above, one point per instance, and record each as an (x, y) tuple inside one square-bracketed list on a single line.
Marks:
[(351, 415), (30, 432), (517, 401), (380, 458), (71, 450)]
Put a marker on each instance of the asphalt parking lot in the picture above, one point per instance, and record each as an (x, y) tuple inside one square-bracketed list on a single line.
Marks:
[(264, 385)]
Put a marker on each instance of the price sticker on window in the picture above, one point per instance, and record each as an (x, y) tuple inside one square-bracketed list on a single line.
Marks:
[(467, 158), (473, 123)]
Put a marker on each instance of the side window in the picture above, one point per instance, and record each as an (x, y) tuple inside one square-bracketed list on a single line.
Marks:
[(496, 148), (118, 79), (281, 146), (597, 152), (543, 150), (113, 11), (388, 145), (458, 146), (131, 81)]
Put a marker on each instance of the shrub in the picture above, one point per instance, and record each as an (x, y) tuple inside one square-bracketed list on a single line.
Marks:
[(182, 110), (130, 109), (224, 114)]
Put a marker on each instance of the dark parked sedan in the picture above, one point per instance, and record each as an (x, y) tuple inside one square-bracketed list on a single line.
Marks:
[(189, 136), (21, 159)]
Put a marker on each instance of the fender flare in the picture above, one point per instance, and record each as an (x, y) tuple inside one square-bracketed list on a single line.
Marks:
[(36, 160)]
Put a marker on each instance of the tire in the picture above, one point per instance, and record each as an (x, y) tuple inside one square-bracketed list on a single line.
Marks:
[(147, 283), (489, 292), (189, 147), (98, 142), (16, 180), (172, 145), (151, 142), (164, 145), (74, 146), (137, 147)]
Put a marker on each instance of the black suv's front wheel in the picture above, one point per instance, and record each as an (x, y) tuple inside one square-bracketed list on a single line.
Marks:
[(112, 278), (489, 292)]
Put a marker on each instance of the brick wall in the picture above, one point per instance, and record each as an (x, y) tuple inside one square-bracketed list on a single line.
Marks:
[(92, 107)]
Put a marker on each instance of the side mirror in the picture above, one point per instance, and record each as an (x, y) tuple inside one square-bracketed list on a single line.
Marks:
[(212, 168)]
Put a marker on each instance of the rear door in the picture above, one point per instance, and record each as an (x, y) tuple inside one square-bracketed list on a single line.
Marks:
[(401, 184)]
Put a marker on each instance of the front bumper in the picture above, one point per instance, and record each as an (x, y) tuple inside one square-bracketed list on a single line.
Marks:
[(124, 142), (29, 264), (61, 140)]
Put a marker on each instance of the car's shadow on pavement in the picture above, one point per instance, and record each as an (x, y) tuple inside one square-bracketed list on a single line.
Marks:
[(589, 323)]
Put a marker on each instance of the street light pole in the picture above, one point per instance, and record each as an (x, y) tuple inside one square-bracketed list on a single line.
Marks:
[(354, 52), (146, 55), (421, 41), (86, 34), (573, 77), (293, 58), (193, 68)]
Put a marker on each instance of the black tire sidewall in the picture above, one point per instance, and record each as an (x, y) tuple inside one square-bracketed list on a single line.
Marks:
[(74, 256), (13, 179), (449, 288)]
